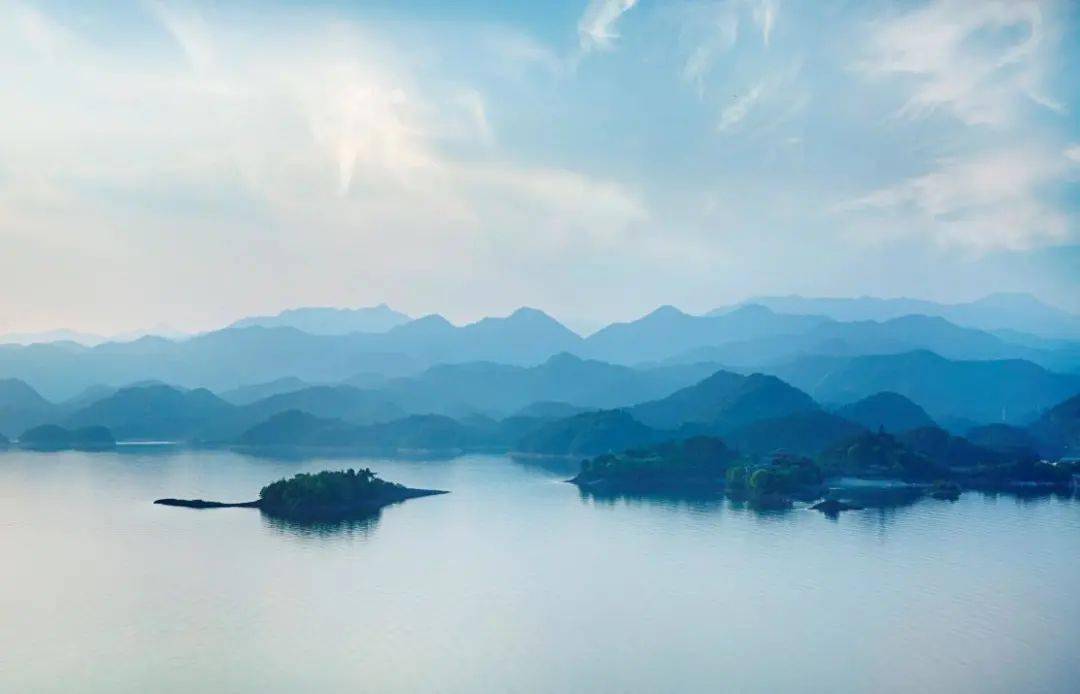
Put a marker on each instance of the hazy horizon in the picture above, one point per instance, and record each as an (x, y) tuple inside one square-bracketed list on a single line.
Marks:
[(193, 163), (583, 328)]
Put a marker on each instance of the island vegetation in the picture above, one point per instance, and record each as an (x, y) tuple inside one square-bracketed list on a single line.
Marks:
[(50, 437), (774, 482), (870, 469), (326, 495), (695, 465)]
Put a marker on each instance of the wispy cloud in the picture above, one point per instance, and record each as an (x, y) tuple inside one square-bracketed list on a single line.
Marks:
[(188, 29), (985, 201), (596, 28), (732, 70), (713, 29), (734, 113), (977, 61), (772, 101), (765, 17)]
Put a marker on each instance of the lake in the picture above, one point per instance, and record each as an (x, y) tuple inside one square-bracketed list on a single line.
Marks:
[(514, 582)]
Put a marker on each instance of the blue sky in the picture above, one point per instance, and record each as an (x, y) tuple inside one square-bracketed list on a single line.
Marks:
[(189, 163)]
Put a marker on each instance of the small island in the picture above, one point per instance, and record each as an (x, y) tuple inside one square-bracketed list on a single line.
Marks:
[(50, 437), (695, 465), (327, 495), (867, 470)]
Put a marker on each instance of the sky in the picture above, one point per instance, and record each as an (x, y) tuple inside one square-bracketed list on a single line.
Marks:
[(188, 163)]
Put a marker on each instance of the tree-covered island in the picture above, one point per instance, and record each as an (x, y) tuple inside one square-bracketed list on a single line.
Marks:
[(326, 495), (870, 469), (50, 437)]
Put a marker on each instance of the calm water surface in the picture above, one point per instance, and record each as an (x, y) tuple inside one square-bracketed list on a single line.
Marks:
[(515, 583)]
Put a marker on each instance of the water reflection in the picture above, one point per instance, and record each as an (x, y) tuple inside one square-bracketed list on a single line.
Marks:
[(516, 582), (877, 496), (355, 527), (875, 505), (665, 498), (692, 502)]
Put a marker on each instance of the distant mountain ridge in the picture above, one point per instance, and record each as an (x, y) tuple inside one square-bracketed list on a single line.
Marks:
[(748, 338), (667, 331), (1058, 430), (235, 357), (892, 336), (1003, 311), (951, 391), (330, 321), (725, 401), (886, 410), (501, 389), (758, 414)]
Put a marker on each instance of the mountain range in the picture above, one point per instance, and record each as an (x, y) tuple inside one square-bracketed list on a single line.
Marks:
[(749, 338), (783, 373), (757, 413), (891, 336), (955, 393), (1019, 313)]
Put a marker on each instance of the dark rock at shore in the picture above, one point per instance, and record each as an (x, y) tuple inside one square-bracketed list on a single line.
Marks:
[(832, 507), (770, 502), (945, 491), (199, 503)]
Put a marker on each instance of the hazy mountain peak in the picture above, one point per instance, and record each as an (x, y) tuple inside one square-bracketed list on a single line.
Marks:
[(1011, 311), (524, 316), (887, 410), (666, 311), (725, 400), (1011, 299), (326, 320), (527, 312), (432, 323), (53, 336), (563, 359), (18, 393)]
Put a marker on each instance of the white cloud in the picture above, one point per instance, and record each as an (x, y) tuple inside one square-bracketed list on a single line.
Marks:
[(42, 35), (734, 113), (713, 29), (982, 202), (188, 29), (472, 102), (307, 155), (765, 17), (769, 103), (596, 28), (758, 93), (714, 32), (977, 61)]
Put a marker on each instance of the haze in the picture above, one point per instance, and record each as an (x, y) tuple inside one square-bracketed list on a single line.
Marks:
[(193, 163)]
